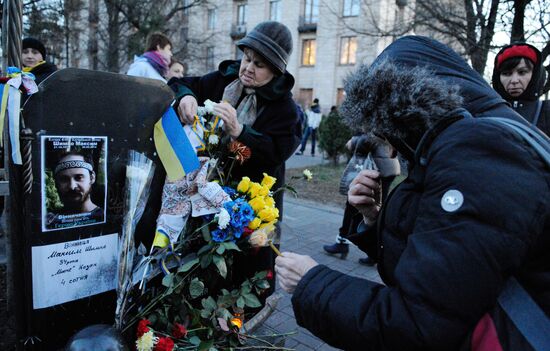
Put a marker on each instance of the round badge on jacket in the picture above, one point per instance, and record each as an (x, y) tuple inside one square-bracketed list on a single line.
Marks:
[(452, 200)]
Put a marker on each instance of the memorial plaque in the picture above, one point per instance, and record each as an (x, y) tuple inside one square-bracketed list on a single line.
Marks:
[(83, 124)]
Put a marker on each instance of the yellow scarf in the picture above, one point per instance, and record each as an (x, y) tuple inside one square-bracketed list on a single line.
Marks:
[(29, 69)]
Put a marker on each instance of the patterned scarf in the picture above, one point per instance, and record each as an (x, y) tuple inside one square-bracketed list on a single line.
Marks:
[(246, 111), (156, 60)]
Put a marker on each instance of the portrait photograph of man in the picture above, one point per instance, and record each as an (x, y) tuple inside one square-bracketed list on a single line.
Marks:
[(73, 181)]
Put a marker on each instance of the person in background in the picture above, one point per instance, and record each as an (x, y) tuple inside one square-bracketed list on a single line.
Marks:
[(313, 115), (386, 162), (175, 70), (33, 58), (155, 60), (519, 77)]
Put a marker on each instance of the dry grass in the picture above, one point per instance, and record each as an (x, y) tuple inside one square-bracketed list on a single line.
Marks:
[(322, 188)]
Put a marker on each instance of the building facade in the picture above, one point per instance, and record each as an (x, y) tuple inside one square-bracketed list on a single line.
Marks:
[(330, 38)]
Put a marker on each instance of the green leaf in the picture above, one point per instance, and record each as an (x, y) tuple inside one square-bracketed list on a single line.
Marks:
[(206, 233), (206, 260), (206, 345), (168, 280), (241, 302), (196, 288), (231, 246), (209, 303), (251, 300), (262, 284), (187, 266), (260, 275), (220, 250), (291, 189), (204, 249), (220, 264), (195, 340)]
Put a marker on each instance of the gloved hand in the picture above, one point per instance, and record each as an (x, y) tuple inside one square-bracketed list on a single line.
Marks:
[(291, 267)]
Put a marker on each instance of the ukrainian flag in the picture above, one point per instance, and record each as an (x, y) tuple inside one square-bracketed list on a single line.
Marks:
[(173, 147)]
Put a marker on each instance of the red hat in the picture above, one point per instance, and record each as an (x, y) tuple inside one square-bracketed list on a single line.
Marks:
[(517, 51)]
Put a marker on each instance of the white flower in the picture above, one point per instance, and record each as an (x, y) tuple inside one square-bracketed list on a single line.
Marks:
[(223, 218), (307, 174), (209, 106), (213, 139), (146, 342), (201, 111)]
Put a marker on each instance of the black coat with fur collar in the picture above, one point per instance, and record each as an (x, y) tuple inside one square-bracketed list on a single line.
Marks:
[(275, 134), (443, 269)]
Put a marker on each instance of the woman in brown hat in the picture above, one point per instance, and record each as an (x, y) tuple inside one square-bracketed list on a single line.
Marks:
[(253, 99)]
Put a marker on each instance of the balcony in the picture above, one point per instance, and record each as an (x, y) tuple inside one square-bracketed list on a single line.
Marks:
[(238, 31), (307, 25)]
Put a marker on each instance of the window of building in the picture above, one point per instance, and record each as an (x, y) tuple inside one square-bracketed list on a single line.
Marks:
[(210, 59), (308, 52), (275, 9), (311, 11), (340, 96), (241, 14), (348, 49), (351, 8), (212, 18), (305, 98)]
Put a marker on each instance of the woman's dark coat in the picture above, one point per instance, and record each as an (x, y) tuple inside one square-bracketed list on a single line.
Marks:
[(272, 138), (443, 270), (526, 103), (274, 135)]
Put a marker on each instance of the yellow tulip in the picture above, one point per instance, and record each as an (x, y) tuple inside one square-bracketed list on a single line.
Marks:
[(254, 190), (269, 202), (264, 191), (244, 185), (268, 227), (255, 223), (268, 181), (268, 214), (257, 203)]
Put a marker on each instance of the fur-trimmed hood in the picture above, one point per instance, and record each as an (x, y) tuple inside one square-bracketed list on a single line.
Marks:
[(411, 85)]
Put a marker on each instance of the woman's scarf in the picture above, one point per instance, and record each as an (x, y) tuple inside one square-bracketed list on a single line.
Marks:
[(246, 110), (156, 60)]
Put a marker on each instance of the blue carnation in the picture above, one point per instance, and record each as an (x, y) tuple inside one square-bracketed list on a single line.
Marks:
[(218, 235), (229, 191)]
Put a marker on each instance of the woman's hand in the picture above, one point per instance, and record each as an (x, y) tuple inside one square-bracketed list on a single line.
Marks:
[(291, 267), (364, 194), (229, 116), (187, 109)]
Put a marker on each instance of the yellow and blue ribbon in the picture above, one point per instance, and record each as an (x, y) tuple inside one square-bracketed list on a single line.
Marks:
[(173, 147)]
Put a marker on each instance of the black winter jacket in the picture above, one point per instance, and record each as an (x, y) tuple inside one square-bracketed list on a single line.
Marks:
[(443, 269), (275, 134), (43, 71), (526, 103)]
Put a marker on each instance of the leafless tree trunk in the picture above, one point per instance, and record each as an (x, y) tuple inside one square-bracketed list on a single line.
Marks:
[(113, 26), (93, 23)]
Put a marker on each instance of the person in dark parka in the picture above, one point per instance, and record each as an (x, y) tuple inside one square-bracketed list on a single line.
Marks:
[(473, 211), (253, 99), (519, 77)]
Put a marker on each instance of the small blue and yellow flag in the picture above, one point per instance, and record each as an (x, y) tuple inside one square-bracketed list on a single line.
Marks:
[(173, 147)]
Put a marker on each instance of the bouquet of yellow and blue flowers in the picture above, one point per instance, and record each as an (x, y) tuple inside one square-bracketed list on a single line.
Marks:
[(192, 295)]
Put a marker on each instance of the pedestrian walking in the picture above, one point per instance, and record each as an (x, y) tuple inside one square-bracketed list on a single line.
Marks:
[(313, 116)]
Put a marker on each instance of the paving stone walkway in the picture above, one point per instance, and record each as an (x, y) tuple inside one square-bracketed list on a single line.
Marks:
[(307, 226)]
